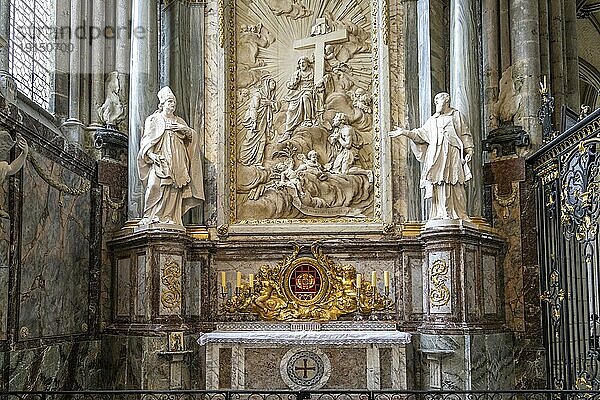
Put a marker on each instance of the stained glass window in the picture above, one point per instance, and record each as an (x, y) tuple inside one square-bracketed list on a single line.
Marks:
[(32, 48)]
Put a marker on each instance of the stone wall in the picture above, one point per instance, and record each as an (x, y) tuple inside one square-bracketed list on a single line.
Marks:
[(47, 261)]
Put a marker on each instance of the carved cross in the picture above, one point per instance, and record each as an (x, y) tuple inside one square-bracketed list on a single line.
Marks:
[(318, 42), (305, 368)]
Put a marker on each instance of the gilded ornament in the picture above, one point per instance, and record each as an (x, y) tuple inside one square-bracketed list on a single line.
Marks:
[(171, 274), (306, 288), (439, 294), (506, 201)]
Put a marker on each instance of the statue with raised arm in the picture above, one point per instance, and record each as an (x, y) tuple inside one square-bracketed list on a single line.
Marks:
[(7, 169), (169, 164), (444, 147)]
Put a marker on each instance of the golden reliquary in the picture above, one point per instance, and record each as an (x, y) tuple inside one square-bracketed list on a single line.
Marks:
[(305, 288)]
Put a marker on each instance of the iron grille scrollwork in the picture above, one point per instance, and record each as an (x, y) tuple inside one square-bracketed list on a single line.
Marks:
[(580, 217)]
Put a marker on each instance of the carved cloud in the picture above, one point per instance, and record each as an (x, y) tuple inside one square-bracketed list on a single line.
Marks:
[(290, 8)]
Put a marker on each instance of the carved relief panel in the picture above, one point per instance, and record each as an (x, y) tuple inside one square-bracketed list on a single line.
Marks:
[(304, 137)]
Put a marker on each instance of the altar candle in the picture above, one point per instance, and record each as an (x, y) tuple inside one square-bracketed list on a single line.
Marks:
[(223, 280), (358, 281), (373, 279), (386, 279), (239, 279), (251, 277)]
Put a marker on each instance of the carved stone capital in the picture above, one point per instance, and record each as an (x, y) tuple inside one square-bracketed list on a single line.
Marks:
[(505, 140)]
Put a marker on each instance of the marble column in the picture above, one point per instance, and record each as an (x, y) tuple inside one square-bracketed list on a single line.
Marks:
[(373, 368), (491, 58), (196, 83), (7, 83), (504, 29), (143, 86), (73, 128), (525, 48), (464, 87), (424, 61), (572, 59), (98, 57), (122, 53)]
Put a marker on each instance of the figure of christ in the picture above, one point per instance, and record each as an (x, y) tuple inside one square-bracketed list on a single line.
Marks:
[(301, 100)]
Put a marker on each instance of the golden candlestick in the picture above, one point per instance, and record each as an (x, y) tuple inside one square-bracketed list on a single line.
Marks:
[(386, 279), (374, 281)]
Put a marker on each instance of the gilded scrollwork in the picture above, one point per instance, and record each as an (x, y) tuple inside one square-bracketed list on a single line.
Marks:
[(170, 296), (580, 193), (439, 293), (554, 296), (306, 288)]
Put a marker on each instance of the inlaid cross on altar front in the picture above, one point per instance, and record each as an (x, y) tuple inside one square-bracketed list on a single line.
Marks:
[(305, 368), (319, 42)]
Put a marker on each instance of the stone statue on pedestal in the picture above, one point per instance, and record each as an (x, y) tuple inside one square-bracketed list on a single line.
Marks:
[(169, 165), (444, 147), (112, 111), (7, 169)]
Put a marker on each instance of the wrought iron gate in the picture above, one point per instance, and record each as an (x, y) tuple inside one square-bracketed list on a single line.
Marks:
[(568, 200)]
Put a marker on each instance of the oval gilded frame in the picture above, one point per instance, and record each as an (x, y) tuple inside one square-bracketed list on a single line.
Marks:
[(323, 290)]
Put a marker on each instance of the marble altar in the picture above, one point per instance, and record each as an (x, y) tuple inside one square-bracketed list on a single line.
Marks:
[(328, 358)]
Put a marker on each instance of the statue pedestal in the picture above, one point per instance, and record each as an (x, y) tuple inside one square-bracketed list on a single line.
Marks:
[(157, 289), (463, 337), (111, 143)]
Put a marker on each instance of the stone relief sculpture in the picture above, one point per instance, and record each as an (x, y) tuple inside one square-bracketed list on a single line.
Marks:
[(311, 90), (259, 123), (507, 110), (301, 109), (444, 146), (7, 169), (251, 40), (169, 164), (342, 138), (290, 8), (112, 111)]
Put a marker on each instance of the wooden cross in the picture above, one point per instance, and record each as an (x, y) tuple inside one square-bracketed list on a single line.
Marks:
[(318, 42), (305, 368)]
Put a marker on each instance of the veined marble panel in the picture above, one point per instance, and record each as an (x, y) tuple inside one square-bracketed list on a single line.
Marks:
[(213, 123), (3, 302), (225, 368), (490, 284), (63, 366), (123, 286), (55, 254), (136, 363), (193, 288), (470, 282), (416, 272), (143, 278), (265, 368)]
